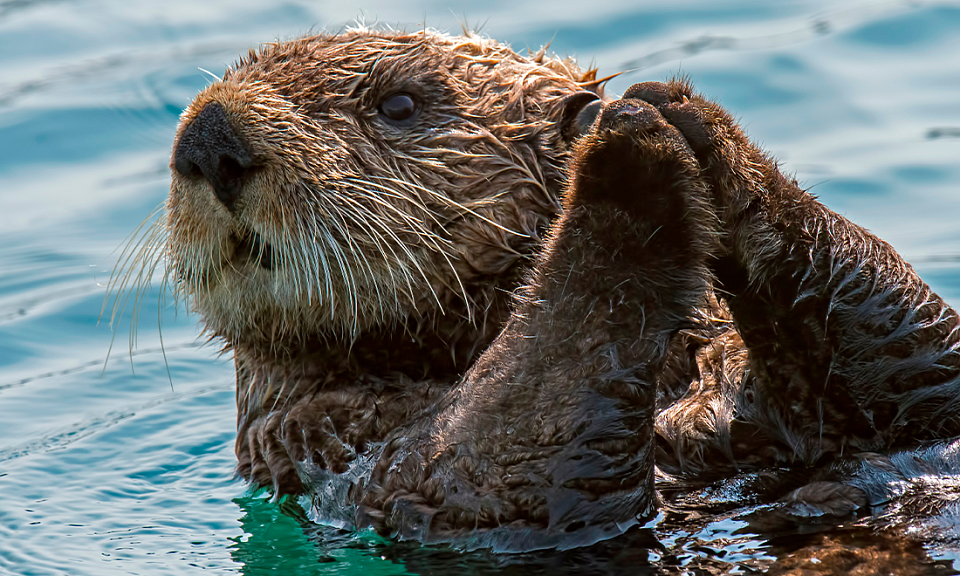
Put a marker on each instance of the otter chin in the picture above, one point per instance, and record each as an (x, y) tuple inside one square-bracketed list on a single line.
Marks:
[(471, 299)]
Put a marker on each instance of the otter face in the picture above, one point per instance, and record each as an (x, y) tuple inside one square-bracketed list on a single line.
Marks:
[(335, 183)]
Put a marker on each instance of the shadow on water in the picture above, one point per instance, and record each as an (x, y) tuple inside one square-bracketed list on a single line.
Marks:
[(689, 540), (279, 539)]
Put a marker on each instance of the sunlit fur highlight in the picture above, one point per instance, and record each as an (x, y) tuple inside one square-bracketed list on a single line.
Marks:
[(369, 223)]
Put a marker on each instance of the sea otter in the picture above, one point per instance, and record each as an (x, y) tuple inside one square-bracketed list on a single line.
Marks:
[(471, 299)]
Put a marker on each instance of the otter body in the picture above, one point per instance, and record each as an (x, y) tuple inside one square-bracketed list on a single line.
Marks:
[(475, 303)]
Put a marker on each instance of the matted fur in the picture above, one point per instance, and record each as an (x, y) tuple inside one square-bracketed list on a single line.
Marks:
[(370, 223), (364, 282)]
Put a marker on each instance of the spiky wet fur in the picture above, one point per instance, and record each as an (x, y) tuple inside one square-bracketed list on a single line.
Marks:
[(371, 223), (394, 251), (849, 350), (548, 441)]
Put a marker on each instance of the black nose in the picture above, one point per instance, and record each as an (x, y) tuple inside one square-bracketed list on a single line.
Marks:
[(209, 147)]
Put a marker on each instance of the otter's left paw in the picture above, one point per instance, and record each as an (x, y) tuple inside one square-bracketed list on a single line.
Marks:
[(315, 432), (634, 158), (737, 171), (310, 436), (262, 459)]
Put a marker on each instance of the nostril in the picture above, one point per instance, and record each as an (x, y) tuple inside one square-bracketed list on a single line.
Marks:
[(209, 147), (230, 169), (186, 167)]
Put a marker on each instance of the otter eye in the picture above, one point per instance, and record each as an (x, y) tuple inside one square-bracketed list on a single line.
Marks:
[(398, 107)]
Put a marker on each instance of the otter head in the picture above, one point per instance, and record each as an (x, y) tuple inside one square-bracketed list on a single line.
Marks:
[(336, 183)]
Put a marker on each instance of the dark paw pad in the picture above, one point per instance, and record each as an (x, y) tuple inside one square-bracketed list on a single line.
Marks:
[(630, 116), (632, 157), (646, 127), (681, 107), (641, 183)]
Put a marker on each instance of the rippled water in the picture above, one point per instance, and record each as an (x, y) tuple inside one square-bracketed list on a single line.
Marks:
[(125, 467)]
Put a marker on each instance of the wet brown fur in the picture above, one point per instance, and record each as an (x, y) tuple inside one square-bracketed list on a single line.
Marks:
[(436, 226), (849, 350), (549, 439), (386, 330)]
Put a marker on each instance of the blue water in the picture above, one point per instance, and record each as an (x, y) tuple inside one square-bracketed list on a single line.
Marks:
[(125, 466)]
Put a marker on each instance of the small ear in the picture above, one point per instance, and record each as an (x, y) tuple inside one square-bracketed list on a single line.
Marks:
[(577, 113)]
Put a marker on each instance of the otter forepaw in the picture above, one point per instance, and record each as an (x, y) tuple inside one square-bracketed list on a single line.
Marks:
[(733, 167), (707, 127), (635, 158), (263, 460), (277, 446), (310, 436)]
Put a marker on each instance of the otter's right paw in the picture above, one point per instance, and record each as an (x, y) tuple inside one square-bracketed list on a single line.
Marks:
[(639, 181), (635, 158)]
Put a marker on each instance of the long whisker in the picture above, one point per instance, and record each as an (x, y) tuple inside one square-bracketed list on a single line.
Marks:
[(364, 224), (412, 260), (137, 264), (449, 201), (371, 222), (442, 250)]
